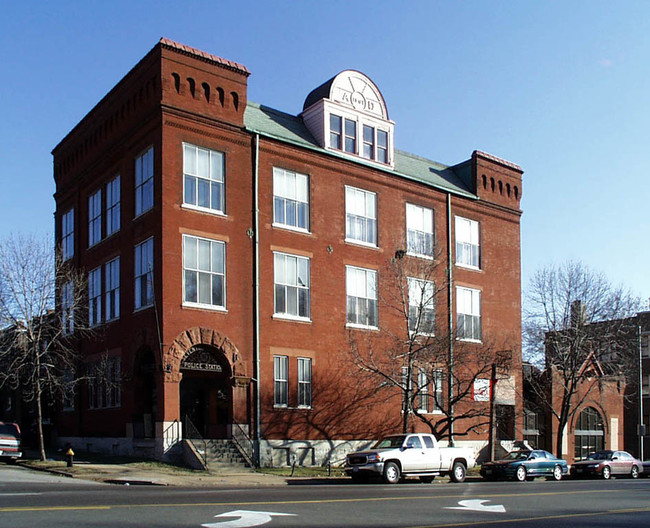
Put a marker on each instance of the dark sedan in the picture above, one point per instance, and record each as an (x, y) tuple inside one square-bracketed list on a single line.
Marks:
[(606, 464), (526, 465)]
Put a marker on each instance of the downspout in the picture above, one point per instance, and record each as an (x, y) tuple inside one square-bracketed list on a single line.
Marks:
[(450, 307), (256, 300), (641, 426)]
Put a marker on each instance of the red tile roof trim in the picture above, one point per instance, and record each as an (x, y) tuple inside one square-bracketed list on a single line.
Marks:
[(188, 50), (501, 161)]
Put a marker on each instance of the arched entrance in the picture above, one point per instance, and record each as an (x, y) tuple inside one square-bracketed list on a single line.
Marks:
[(206, 392), (589, 433)]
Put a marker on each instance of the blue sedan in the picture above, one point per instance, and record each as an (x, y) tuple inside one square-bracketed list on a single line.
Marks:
[(526, 465)]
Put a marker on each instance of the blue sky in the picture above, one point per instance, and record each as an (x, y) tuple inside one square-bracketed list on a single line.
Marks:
[(561, 88)]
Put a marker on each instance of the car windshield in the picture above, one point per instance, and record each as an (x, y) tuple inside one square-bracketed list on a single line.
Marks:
[(600, 455), (390, 441), (517, 455), (8, 429)]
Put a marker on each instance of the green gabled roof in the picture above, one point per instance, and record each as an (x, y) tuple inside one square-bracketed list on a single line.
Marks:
[(288, 128)]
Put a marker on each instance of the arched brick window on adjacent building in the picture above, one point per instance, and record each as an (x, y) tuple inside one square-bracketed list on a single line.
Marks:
[(589, 433)]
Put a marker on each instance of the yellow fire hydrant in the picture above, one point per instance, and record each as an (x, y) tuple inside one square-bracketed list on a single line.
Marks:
[(68, 457)]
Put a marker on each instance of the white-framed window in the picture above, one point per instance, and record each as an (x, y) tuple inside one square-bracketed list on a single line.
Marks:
[(422, 309), (361, 290), (430, 390), (113, 206), (360, 216), (382, 146), (95, 296), (112, 289), (419, 230), (468, 249), (336, 132), (67, 234), (291, 278), (203, 178), (468, 312), (375, 144), (350, 136), (95, 218), (104, 383), (304, 382), (143, 287), (204, 272), (290, 199), (281, 381), (144, 182), (67, 307)]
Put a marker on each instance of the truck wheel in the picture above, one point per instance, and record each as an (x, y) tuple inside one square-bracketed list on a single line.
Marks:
[(458, 472), (427, 480), (520, 475), (391, 473)]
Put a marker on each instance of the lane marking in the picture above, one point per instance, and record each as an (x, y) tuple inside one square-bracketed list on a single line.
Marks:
[(299, 501)]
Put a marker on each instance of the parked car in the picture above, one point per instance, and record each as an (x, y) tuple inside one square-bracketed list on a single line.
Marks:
[(525, 464), (607, 463), (10, 447), (417, 455)]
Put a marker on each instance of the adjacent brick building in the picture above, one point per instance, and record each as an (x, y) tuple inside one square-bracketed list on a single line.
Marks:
[(233, 249)]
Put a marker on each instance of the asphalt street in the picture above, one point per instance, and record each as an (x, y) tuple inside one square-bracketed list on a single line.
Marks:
[(31, 499)]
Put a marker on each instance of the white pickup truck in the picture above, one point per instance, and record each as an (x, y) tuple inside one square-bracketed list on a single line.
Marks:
[(413, 454)]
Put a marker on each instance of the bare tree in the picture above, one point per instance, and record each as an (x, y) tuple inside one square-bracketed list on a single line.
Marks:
[(414, 352), (37, 347), (577, 333)]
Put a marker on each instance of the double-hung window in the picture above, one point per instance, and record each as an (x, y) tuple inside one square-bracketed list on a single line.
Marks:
[(419, 230), (95, 218), (468, 311), (422, 312), (67, 307), (104, 384), (290, 199), (382, 146), (112, 289), (361, 289), (203, 178), (336, 132), (204, 272), (95, 296), (368, 142), (423, 392), (113, 206), (360, 216), (350, 143), (144, 182), (144, 274), (291, 278), (281, 381), (430, 390), (468, 250), (304, 382), (67, 234), (375, 144)]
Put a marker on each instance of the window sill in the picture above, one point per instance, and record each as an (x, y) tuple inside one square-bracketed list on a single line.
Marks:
[(288, 408), (294, 318), (206, 210), (208, 307), (142, 308), (419, 255), (362, 327), (141, 214), (467, 267), (420, 411), (361, 243), (469, 340), (291, 228)]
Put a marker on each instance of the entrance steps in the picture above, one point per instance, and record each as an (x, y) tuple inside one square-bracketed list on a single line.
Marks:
[(220, 455)]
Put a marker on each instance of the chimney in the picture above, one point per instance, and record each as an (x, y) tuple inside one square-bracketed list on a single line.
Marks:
[(578, 314)]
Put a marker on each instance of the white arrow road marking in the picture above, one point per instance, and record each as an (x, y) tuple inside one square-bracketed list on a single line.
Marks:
[(246, 518), (477, 505)]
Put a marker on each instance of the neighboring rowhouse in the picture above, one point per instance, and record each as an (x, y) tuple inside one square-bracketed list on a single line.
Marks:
[(234, 252)]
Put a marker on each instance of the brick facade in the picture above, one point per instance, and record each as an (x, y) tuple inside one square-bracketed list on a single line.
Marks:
[(177, 95)]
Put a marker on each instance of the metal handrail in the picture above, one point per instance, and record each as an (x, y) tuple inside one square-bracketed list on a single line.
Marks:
[(195, 438), (243, 443)]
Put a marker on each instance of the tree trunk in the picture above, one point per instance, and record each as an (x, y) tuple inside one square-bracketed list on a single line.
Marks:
[(39, 419)]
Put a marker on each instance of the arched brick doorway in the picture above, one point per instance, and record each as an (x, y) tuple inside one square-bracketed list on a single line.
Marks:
[(212, 382), (206, 392)]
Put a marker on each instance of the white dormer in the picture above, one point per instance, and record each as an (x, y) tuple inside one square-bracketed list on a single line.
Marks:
[(348, 114)]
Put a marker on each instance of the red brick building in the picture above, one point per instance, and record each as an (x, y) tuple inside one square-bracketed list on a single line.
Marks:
[(232, 250)]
